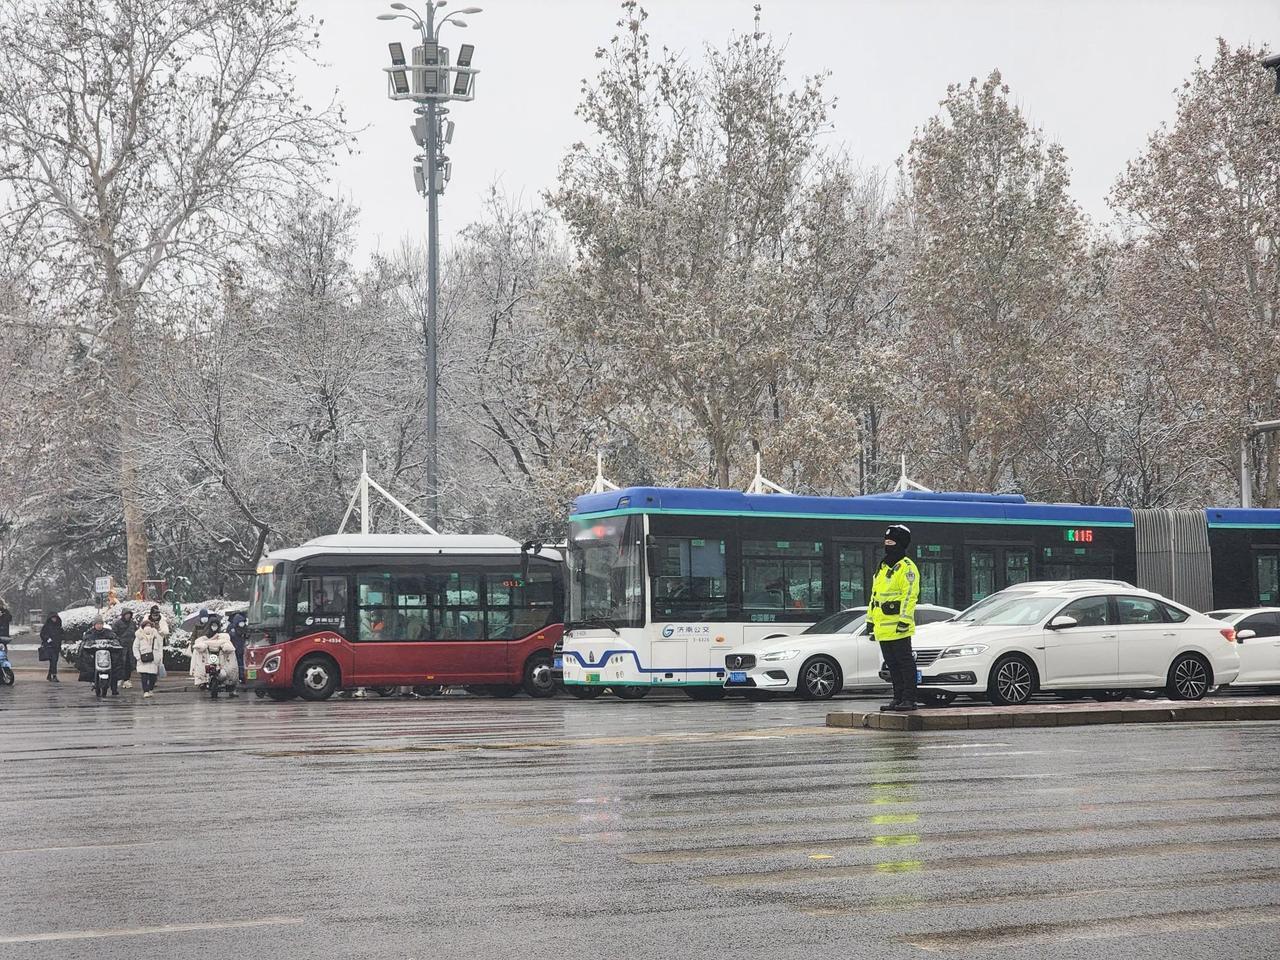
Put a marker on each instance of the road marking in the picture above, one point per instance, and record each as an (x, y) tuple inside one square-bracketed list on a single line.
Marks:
[(1142, 925), (147, 931), (83, 846)]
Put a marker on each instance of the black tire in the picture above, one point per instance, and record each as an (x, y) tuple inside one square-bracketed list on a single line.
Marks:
[(504, 691), (386, 691), (538, 682), (581, 692), (316, 678), (260, 693), (758, 696), (704, 693), (280, 696), (6, 675), (1012, 681), (1109, 696), (1190, 677), (819, 679), (630, 692), (936, 698)]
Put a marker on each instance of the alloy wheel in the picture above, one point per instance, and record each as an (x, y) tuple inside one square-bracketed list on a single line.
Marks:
[(1190, 678), (1013, 680), (820, 679)]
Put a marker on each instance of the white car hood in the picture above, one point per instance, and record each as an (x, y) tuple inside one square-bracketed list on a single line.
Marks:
[(797, 641)]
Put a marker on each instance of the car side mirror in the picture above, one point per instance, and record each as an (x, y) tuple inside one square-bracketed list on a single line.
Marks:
[(1246, 634), (1063, 622)]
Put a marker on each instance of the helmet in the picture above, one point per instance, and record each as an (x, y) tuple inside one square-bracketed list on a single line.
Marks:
[(899, 533)]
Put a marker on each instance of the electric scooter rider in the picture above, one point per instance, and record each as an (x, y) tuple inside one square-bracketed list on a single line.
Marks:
[(101, 637), (216, 643)]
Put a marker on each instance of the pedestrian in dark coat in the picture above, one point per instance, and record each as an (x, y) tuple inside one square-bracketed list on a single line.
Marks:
[(126, 628), (5, 619), (238, 631), (51, 637)]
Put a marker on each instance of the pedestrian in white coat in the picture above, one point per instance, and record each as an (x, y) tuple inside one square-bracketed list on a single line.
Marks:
[(148, 653)]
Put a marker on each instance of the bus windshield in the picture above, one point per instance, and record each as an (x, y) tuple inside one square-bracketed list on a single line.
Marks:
[(266, 606), (605, 583)]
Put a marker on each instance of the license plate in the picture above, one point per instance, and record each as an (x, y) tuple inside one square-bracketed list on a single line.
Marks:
[(593, 678), (251, 674), (559, 663), (737, 676), (919, 675)]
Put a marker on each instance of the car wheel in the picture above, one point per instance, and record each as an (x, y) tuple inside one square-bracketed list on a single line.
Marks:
[(316, 678), (704, 693), (580, 692), (936, 698), (819, 679), (1109, 696), (1012, 680), (630, 692), (1189, 678), (538, 682)]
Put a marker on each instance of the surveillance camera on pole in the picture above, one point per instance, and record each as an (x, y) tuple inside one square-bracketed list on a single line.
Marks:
[(1272, 63), (428, 80)]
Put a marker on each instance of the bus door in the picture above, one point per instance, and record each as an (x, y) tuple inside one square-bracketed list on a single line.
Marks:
[(992, 567), (460, 644), (322, 608), (392, 625)]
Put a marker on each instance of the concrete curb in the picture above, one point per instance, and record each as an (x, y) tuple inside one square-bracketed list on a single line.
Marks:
[(1061, 715)]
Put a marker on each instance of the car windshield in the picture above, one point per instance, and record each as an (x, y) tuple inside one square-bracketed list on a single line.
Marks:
[(1014, 611), (846, 621)]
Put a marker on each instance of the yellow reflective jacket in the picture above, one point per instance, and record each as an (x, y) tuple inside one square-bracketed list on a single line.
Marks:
[(894, 592)]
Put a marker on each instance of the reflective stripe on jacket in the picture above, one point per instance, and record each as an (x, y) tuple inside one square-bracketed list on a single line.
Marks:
[(894, 592)]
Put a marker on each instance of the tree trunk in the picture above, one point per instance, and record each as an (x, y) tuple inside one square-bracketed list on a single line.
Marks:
[(137, 544)]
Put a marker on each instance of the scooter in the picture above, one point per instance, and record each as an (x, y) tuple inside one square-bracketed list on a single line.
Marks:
[(6, 668), (214, 677), (101, 672)]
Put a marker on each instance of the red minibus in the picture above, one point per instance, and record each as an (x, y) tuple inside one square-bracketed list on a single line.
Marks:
[(361, 610)]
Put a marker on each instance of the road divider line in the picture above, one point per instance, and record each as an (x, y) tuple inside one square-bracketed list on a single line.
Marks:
[(83, 846), (149, 931)]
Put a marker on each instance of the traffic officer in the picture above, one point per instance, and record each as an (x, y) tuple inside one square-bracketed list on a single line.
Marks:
[(891, 615)]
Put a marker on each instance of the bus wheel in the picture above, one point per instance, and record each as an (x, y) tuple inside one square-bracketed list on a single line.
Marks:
[(537, 677), (581, 692), (630, 692), (704, 693), (316, 678)]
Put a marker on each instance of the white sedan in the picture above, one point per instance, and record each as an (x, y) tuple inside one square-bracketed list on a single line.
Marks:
[(1085, 636), (832, 655), (1257, 642)]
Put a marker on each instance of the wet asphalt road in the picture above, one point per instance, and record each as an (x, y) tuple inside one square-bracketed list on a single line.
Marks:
[(467, 827)]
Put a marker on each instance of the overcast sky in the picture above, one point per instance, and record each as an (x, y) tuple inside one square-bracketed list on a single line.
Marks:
[(1097, 75)]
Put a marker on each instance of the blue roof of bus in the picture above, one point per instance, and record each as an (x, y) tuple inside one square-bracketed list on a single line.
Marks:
[(906, 505)]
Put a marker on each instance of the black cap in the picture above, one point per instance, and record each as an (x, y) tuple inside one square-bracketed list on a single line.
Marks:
[(899, 533)]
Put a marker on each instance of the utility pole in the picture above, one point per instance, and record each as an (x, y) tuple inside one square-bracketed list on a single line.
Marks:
[(427, 80)]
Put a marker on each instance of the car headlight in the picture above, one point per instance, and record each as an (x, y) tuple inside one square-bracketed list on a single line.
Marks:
[(780, 655), (969, 650), (271, 664)]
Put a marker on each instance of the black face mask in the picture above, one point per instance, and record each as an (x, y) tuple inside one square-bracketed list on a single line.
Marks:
[(893, 554)]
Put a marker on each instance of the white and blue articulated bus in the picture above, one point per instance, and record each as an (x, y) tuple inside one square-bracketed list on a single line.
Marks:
[(663, 582)]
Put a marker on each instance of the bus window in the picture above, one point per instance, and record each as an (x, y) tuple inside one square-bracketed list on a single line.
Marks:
[(781, 579), (982, 573), (518, 606), (690, 581), (321, 601), (461, 616), (1077, 563), (937, 574), (1017, 567), (852, 574), (1268, 578)]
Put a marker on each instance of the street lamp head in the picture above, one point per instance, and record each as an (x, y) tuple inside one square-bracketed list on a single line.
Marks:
[(388, 16), (471, 10), (458, 23), (398, 6)]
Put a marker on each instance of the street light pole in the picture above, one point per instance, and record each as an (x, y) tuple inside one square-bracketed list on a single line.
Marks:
[(427, 79)]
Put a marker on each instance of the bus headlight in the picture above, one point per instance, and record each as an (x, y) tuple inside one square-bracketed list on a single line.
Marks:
[(271, 664), (780, 655), (970, 650)]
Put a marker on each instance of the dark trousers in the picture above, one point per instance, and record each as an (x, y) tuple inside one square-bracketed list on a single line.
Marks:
[(53, 663), (240, 659), (148, 681), (902, 668)]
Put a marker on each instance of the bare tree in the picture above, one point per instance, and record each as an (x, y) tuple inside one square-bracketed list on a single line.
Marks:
[(140, 141)]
